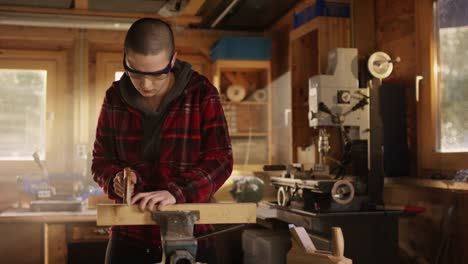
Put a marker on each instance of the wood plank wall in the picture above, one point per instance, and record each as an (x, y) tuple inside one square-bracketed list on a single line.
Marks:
[(421, 237), (396, 35), (288, 109)]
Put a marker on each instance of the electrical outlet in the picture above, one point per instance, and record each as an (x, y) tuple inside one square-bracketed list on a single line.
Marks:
[(80, 151)]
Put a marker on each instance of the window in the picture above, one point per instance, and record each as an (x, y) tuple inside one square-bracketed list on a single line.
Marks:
[(22, 113), (442, 60), (36, 111), (452, 31), (109, 68)]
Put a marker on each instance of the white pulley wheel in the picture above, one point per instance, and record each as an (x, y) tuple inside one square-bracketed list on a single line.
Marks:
[(380, 65), (342, 192), (282, 196)]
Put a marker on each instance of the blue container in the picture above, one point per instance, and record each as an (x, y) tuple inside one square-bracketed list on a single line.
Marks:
[(321, 8), (242, 48)]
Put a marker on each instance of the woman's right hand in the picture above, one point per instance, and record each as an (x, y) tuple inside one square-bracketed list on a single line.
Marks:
[(119, 183)]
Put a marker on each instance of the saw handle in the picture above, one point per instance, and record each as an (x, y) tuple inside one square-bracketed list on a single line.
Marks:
[(127, 195)]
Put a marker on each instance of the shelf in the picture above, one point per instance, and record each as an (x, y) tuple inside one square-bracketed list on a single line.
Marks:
[(244, 65), (248, 115), (246, 134), (244, 103), (427, 183)]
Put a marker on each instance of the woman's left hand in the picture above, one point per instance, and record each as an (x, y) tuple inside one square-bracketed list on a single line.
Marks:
[(148, 200)]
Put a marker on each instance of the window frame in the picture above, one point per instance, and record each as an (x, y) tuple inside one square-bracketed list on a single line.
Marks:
[(429, 159), (54, 62)]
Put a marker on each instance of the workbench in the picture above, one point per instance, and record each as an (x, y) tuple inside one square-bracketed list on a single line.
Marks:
[(43, 237)]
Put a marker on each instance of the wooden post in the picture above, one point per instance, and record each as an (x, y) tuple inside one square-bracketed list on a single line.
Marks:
[(55, 243)]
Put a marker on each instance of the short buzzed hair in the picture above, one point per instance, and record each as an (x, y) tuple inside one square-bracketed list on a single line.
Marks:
[(149, 36)]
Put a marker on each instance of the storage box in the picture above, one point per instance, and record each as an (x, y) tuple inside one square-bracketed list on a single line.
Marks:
[(242, 48), (265, 246), (321, 8)]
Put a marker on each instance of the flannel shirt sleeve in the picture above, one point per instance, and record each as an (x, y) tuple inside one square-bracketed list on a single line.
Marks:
[(201, 182), (105, 164)]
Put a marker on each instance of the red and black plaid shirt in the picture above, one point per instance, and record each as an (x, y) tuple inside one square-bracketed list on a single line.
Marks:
[(195, 151)]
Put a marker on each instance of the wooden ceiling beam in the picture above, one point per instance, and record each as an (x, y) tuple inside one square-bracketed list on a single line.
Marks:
[(180, 20), (81, 4), (192, 7)]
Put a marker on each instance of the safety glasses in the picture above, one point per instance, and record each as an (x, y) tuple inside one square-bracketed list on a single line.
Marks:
[(156, 75)]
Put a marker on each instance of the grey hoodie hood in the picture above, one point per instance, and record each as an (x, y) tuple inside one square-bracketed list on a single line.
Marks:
[(154, 121)]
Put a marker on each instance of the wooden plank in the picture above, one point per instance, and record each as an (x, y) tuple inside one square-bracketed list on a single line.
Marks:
[(18, 239), (363, 26), (210, 213), (26, 216), (304, 63), (301, 237), (28, 34), (81, 4), (192, 7), (243, 65), (308, 27), (180, 20), (83, 232), (439, 184)]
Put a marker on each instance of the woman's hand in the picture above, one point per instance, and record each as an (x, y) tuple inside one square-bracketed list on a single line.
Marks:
[(119, 183), (148, 200)]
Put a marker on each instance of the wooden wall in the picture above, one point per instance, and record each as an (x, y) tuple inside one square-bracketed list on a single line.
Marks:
[(396, 35), (422, 238), (281, 99), (391, 26)]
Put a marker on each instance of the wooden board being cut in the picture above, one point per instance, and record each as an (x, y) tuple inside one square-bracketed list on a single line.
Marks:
[(210, 213)]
